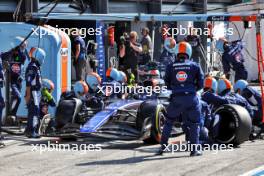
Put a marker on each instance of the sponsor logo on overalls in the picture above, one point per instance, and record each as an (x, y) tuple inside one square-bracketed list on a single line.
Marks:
[(181, 76)]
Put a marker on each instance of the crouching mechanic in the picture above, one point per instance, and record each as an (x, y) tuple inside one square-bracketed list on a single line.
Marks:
[(46, 97), (253, 97), (184, 78), (225, 96), (33, 88), (94, 101)]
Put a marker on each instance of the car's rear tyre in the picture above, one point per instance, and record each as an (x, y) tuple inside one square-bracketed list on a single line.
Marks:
[(153, 114), (234, 125)]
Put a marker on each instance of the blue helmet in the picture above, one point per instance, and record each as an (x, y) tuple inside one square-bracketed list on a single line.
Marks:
[(38, 53), (220, 45), (113, 74), (224, 84), (122, 77), (48, 84), (80, 88), (170, 44), (93, 80), (211, 83), (184, 48), (240, 85)]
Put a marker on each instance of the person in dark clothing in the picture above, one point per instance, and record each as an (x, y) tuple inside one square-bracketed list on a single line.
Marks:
[(195, 42), (79, 56), (184, 78), (132, 50), (232, 58)]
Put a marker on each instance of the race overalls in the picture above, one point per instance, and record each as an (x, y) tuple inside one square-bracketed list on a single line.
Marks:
[(166, 58), (33, 80), (205, 123), (227, 98), (234, 58), (254, 99), (184, 79), (16, 65)]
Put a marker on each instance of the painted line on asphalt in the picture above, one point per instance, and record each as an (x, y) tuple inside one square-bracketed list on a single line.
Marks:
[(259, 171)]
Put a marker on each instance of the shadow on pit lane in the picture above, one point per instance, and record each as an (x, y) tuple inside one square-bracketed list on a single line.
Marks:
[(131, 160)]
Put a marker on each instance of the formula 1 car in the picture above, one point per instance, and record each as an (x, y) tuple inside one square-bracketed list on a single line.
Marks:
[(121, 119), (138, 119)]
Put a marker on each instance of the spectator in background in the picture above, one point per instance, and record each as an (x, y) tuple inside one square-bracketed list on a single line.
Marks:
[(122, 50), (146, 46), (79, 55), (195, 42), (132, 50)]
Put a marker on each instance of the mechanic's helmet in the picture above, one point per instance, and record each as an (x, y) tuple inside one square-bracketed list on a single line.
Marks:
[(80, 88), (93, 80), (112, 73), (183, 48), (37, 53), (240, 85), (122, 77), (210, 83), (223, 84), (220, 44), (170, 44), (17, 41), (154, 73), (47, 84)]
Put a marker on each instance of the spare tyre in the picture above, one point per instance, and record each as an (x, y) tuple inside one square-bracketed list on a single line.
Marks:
[(151, 116), (232, 123)]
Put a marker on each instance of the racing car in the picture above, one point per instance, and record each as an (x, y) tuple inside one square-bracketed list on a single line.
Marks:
[(138, 119), (121, 119)]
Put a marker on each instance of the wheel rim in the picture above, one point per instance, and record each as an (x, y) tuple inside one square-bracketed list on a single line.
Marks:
[(161, 121)]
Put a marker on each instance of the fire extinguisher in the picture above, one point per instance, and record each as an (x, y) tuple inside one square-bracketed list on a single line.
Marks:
[(111, 35)]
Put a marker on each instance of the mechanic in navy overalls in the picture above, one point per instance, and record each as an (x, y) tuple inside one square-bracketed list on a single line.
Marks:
[(184, 78), (16, 66), (33, 91), (168, 55), (253, 97), (113, 76), (225, 96), (93, 81), (232, 58)]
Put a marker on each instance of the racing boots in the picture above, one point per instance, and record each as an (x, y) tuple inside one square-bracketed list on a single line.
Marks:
[(161, 150)]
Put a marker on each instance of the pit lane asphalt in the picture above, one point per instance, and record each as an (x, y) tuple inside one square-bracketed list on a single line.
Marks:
[(123, 158)]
